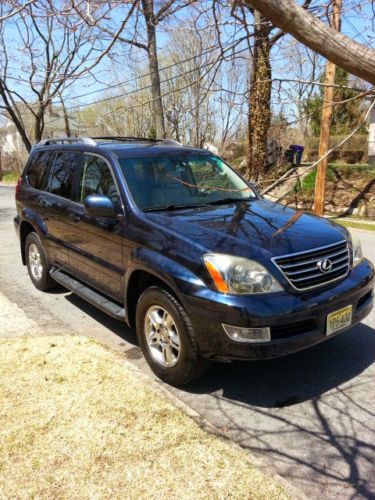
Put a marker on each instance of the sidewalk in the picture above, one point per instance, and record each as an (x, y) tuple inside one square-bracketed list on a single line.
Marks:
[(9, 184)]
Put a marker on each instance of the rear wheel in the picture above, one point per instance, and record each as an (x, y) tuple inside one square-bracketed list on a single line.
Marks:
[(166, 336), (37, 263)]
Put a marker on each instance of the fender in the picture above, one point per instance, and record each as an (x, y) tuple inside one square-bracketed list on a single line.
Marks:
[(30, 217), (180, 279), (35, 220)]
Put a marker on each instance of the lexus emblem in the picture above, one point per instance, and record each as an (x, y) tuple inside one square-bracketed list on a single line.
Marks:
[(324, 265)]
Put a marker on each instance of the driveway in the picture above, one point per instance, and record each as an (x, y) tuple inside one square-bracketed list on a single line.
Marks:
[(311, 415)]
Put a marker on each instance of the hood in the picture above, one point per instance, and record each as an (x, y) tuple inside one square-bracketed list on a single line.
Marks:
[(250, 228)]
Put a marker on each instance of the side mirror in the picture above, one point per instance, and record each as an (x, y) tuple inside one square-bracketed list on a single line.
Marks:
[(98, 205)]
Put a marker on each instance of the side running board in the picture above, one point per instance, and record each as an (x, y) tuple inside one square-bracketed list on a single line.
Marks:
[(86, 293)]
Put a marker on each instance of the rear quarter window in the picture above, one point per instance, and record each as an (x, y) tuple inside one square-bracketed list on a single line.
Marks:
[(37, 172)]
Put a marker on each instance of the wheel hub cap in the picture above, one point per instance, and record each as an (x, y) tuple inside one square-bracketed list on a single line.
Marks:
[(35, 261), (162, 336)]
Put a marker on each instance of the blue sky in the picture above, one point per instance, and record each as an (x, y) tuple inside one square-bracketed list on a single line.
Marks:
[(357, 25)]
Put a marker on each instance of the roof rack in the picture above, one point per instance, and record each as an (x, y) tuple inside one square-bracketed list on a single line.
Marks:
[(131, 138), (92, 141), (61, 140)]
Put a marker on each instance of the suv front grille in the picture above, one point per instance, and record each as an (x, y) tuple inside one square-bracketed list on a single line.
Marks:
[(304, 270)]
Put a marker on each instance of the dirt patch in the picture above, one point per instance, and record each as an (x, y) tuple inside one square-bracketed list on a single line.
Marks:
[(349, 189)]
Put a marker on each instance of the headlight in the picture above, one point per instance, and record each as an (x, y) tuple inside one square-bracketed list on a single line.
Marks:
[(356, 248), (239, 276)]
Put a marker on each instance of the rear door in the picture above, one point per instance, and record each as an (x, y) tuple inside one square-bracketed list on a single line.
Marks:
[(63, 173), (95, 253)]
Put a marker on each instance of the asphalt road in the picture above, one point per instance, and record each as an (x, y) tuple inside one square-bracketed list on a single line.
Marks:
[(311, 415)]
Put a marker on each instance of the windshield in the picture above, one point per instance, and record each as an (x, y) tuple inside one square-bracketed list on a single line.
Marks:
[(182, 181)]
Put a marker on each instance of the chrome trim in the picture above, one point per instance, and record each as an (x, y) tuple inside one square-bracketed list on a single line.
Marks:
[(312, 251), (313, 268), (303, 262), (320, 274)]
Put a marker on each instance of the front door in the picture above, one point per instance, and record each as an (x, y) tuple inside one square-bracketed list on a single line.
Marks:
[(95, 253)]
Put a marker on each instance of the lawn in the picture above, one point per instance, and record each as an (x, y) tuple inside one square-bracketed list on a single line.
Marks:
[(355, 225), (79, 423), (10, 177)]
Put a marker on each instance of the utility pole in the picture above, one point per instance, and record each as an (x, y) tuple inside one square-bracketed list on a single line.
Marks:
[(320, 183), (371, 138)]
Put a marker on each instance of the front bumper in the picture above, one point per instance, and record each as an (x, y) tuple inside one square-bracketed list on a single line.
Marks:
[(296, 320)]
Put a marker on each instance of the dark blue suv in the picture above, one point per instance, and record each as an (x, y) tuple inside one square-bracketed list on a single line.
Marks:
[(173, 241)]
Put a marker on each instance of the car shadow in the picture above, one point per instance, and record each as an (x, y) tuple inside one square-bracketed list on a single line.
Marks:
[(295, 378), (117, 327)]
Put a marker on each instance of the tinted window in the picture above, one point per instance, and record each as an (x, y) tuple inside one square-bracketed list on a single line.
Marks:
[(97, 179), (61, 181), (37, 171), (184, 180)]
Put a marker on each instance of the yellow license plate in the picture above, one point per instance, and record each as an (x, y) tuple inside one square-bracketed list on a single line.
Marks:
[(337, 320)]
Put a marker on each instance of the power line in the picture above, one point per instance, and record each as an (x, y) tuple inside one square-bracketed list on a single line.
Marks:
[(227, 47), (124, 94)]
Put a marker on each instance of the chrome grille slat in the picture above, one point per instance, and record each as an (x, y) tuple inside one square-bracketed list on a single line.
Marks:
[(313, 268), (318, 275), (312, 260), (301, 269)]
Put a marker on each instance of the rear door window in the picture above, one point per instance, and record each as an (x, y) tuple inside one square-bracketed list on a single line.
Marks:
[(37, 173), (62, 177)]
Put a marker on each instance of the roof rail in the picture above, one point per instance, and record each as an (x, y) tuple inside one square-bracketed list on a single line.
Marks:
[(131, 138), (61, 140), (123, 138), (92, 141)]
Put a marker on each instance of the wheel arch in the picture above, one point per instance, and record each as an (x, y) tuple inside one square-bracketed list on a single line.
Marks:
[(25, 229), (138, 281)]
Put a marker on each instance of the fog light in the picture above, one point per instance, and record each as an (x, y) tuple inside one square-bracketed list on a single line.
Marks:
[(247, 334)]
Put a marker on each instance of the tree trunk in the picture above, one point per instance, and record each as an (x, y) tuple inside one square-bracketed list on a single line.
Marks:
[(17, 122), (157, 104), (259, 100), (66, 117), (39, 125), (309, 30)]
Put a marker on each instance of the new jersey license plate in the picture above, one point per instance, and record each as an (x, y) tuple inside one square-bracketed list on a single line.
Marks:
[(337, 320)]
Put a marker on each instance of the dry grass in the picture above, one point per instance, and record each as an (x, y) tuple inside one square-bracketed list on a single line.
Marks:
[(76, 423)]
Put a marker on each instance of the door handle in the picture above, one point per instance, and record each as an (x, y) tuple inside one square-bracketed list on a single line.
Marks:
[(42, 203), (74, 217)]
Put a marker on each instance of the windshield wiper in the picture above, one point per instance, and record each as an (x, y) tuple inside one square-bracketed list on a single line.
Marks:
[(172, 206), (226, 200)]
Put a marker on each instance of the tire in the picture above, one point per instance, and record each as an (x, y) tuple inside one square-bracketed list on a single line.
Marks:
[(167, 341), (37, 263)]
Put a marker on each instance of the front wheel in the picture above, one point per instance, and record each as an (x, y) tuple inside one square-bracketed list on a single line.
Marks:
[(167, 339)]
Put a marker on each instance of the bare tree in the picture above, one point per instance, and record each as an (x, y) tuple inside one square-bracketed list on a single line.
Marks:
[(52, 50), (350, 55), (10, 8), (147, 16)]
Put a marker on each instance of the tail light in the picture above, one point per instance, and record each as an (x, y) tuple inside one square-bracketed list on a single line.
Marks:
[(18, 185)]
